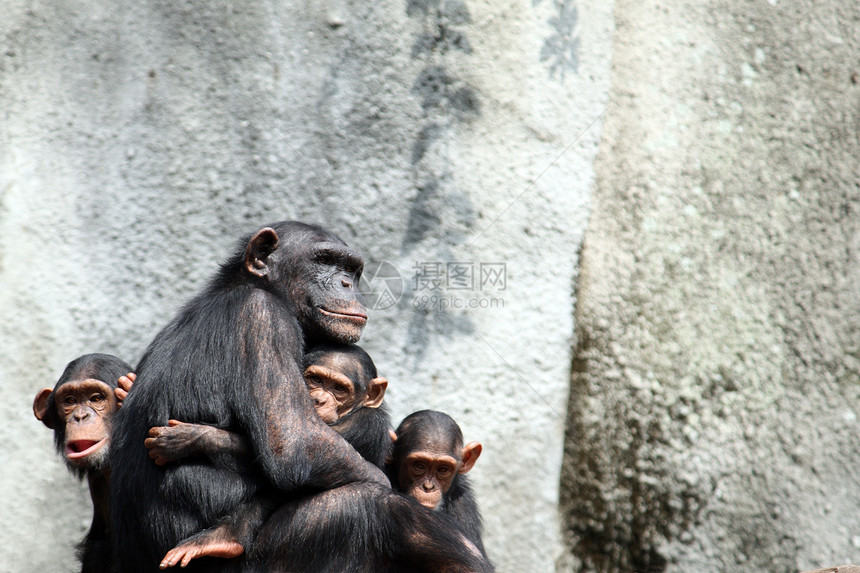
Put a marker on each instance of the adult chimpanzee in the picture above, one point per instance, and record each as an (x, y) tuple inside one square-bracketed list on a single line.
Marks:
[(429, 462), (348, 396), (232, 358), (79, 409)]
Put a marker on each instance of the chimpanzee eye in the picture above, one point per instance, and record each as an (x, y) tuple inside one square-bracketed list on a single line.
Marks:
[(324, 257), (69, 400), (97, 397), (419, 466), (444, 470), (341, 389)]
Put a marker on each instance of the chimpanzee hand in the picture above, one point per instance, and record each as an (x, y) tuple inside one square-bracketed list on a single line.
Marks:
[(180, 440), (125, 383)]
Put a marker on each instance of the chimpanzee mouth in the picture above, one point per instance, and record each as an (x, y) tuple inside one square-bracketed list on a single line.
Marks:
[(429, 500), (356, 316), (82, 448)]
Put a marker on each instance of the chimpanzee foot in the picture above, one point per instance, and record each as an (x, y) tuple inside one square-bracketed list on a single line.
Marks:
[(209, 543)]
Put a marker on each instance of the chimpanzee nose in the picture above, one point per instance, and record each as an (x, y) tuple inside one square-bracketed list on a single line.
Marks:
[(346, 283), (428, 485), (81, 415)]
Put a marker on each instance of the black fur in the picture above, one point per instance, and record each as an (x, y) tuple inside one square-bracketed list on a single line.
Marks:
[(366, 429), (365, 529)]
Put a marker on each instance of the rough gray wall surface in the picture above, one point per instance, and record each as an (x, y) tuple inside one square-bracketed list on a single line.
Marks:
[(139, 140), (716, 379)]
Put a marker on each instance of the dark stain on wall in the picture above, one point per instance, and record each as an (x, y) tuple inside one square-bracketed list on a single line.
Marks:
[(442, 92), (441, 212)]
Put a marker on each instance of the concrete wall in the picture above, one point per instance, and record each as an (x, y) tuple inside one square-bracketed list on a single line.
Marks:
[(716, 381), (138, 141)]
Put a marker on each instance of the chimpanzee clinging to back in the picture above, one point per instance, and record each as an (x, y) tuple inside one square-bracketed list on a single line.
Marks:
[(429, 462), (232, 358), (80, 409)]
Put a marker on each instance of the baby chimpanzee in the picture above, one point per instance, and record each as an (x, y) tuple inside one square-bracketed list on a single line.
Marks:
[(348, 396), (428, 463), (80, 410)]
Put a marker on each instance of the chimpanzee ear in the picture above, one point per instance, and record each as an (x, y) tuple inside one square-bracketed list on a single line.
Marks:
[(375, 392), (40, 407), (471, 453), (262, 244), (390, 457)]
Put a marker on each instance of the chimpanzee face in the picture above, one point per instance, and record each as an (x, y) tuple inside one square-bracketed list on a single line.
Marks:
[(326, 292), (429, 455), (86, 406), (340, 383), (427, 474), (79, 412), (333, 393), (318, 273)]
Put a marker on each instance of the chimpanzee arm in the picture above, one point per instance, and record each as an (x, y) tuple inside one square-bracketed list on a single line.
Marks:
[(181, 440), (292, 445), (299, 449), (366, 429)]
